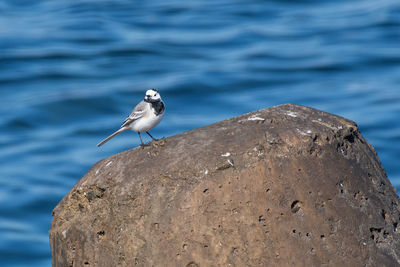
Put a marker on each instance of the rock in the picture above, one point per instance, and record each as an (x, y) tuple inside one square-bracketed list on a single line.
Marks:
[(283, 186)]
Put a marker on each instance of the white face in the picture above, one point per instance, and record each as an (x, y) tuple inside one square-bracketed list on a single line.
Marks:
[(152, 95)]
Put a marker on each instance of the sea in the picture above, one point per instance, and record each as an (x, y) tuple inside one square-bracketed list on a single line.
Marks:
[(71, 71)]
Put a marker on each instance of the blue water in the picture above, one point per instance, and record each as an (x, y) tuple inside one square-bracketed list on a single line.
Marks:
[(70, 71)]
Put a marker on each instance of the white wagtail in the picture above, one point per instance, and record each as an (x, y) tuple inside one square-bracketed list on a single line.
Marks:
[(144, 117)]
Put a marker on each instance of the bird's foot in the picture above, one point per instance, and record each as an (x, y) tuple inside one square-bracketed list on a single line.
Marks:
[(144, 145)]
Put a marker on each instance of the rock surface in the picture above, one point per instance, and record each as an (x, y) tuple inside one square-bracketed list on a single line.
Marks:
[(284, 186)]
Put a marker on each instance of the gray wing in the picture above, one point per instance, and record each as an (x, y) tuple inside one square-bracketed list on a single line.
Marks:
[(136, 113)]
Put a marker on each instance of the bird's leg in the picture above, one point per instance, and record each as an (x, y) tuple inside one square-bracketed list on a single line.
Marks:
[(152, 136), (142, 145)]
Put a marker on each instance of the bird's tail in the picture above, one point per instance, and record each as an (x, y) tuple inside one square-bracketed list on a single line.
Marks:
[(111, 136)]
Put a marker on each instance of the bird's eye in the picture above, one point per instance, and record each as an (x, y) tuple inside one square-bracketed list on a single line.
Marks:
[(155, 94)]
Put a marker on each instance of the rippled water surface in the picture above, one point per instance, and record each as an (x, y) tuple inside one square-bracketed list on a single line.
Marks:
[(72, 70)]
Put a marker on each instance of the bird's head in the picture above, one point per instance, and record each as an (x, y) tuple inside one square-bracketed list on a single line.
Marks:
[(152, 95)]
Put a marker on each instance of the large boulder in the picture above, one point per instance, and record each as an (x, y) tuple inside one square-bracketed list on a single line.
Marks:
[(283, 186)]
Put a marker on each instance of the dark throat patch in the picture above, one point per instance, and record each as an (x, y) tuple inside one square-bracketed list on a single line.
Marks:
[(158, 107)]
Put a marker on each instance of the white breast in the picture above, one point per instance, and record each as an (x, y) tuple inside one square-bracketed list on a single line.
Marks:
[(147, 122)]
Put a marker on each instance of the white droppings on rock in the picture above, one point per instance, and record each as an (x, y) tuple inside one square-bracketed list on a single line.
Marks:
[(97, 171), (309, 131), (291, 114), (302, 133), (206, 172), (259, 153), (64, 234), (255, 118), (340, 127), (230, 162), (108, 164), (227, 154)]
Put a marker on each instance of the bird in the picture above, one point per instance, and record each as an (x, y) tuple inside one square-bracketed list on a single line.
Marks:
[(145, 116)]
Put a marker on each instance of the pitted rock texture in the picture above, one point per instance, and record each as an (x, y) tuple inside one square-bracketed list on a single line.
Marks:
[(284, 186)]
